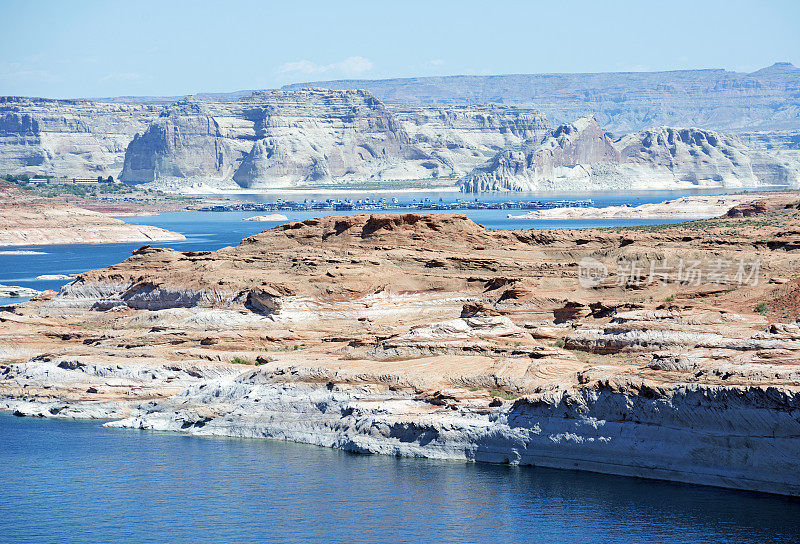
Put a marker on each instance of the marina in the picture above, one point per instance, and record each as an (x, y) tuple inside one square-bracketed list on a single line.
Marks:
[(387, 204)]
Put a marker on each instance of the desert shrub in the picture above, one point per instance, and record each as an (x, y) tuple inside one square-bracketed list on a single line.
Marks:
[(240, 361)]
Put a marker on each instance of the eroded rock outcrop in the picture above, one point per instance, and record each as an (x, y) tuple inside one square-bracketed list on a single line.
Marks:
[(582, 156), (428, 335)]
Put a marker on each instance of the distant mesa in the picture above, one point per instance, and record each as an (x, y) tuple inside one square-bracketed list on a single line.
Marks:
[(582, 156), (470, 131)]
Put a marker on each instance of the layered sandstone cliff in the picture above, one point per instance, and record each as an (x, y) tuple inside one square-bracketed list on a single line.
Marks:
[(582, 156), (349, 138), (317, 137), (320, 136), (74, 138)]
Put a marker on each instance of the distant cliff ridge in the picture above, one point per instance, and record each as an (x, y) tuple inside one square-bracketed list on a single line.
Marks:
[(296, 138), (324, 137), (768, 99), (582, 156)]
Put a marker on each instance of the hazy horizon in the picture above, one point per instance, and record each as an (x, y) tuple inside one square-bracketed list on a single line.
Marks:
[(91, 48)]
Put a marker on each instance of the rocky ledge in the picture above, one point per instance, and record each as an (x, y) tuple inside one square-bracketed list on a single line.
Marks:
[(428, 335)]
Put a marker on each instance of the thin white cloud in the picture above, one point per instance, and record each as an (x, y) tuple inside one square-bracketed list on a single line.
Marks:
[(15, 71), (124, 76), (434, 63), (351, 66)]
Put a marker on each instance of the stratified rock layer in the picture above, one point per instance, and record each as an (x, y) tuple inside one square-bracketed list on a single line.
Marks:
[(323, 138), (74, 138), (581, 156), (428, 335)]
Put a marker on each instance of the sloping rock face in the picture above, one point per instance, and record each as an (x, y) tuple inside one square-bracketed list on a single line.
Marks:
[(318, 136), (536, 162), (768, 99), (75, 138), (690, 154), (582, 156), (464, 137)]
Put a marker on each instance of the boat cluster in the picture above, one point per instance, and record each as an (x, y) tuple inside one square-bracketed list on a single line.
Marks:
[(381, 204)]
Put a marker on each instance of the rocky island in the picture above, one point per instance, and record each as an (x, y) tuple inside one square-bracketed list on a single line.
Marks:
[(667, 352)]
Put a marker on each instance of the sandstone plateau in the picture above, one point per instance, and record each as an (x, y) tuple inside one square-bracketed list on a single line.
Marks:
[(428, 335), (762, 101)]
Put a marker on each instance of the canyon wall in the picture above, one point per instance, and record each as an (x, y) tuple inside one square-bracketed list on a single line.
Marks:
[(267, 139), (75, 138), (582, 156), (480, 131)]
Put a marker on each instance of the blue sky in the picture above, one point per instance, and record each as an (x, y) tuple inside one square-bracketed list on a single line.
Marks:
[(91, 48)]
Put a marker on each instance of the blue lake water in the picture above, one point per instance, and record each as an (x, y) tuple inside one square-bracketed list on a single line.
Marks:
[(78, 482), (213, 230)]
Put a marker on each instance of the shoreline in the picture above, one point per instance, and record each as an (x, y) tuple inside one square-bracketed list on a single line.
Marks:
[(38, 224), (431, 336), (543, 431)]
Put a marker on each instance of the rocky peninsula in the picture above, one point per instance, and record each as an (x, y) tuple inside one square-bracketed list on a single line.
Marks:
[(667, 352), (26, 220)]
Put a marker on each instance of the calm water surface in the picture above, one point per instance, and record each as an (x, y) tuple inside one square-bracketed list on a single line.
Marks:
[(79, 482)]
